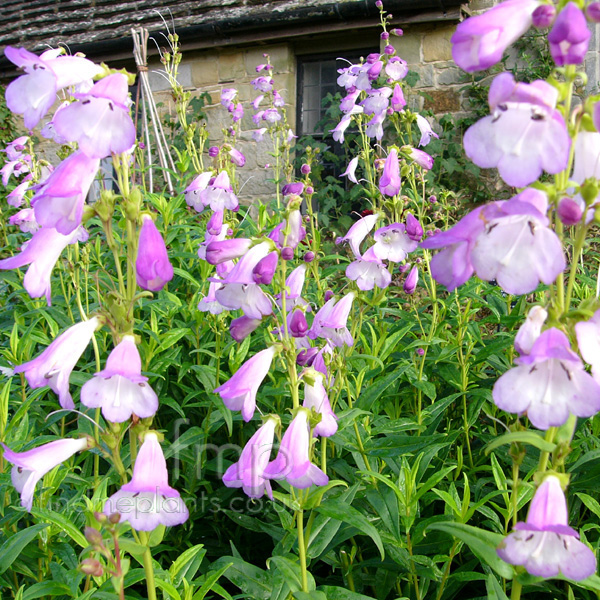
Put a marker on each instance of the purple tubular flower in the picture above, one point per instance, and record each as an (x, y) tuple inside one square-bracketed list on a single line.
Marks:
[(41, 252), (358, 232), (237, 114), (33, 94), (120, 389), (396, 68), (393, 243), (292, 462), (479, 42), (210, 303), (218, 194), (424, 160), (99, 121), (148, 500), (54, 365), (192, 192), (545, 544), (306, 356), (59, 201), (588, 340), (297, 324), (413, 228), (294, 284), (543, 16), (152, 266), (228, 96), (410, 283), (215, 223), (368, 271), (315, 397), (549, 384), (242, 327), (30, 466), (237, 158), (334, 325), (517, 248), (25, 220), (16, 196), (523, 136), (426, 131), (293, 188), (569, 38), (397, 101), (223, 250), (389, 182), (350, 172), (265, 269), (247, 473), (239, 393), (530, 330)]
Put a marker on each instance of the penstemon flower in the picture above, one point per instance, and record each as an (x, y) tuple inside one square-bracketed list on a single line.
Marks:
[(152, 265)]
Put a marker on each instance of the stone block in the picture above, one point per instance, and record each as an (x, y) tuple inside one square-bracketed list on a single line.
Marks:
[(426, 75), (450, 76), (205, 70), (231, 66), (409, 46), (442, 101), (436, 44)]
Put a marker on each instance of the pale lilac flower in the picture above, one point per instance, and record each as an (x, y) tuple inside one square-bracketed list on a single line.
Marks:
[(247, 473), (338, 132), (480, 41), (393, 243), (33, 94), (14, 149), (192, 192), (334, 324), (377, 101), (237, 158), (99, 121), (41, 253), (350, 171), (25, 220), (375, 126), (152, 266), (30, 466), (228, 96), (358, 232), (54, 365), (242, 327), (588, 340), (237, 112), (398, 102), (524, 135), (210, 303), (315, 397), (256, 102), (426, 131), (548, 384), (218, 194), (16, 196), (290, 137), (389, 182), (293, 286), (424, 160), (258, 134), (214, 226), (368, 271), (292, 462), (239, 392), (220, 251), (517, 248), (530, 330), (120, 389), (16, 167), (148, 500), (569, 38), (396, 68), (410, 283), (262, 84), (297, 324), (413, 228), (59, 201), (545, 544)]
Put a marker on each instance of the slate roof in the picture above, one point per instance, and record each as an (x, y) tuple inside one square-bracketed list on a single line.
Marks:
[(103, 26)]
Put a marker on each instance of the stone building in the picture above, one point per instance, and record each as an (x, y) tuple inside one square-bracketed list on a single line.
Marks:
[(223, 41)]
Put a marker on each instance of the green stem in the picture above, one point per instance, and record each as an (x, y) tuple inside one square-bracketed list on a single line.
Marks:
[(544, 456), (149, 570), (301, 550), (515, 489), (515, 593)]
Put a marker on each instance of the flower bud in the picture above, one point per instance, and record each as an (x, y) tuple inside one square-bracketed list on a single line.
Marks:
[(309, 256), (153, 269), (379, 4), (287, 253), (543, 16), (213, 151), (305, 169), (215, 223), (389, 50), (293, 188), (410, 283), (114, 518), (328, 295), (569, 211), (593, 12), (385, 35), (420, 351), (404, 268), (93, 536), (237, 158), (432, 199), (310, 190), (306, 356), (242, 327), (91, 566), (298, 325), (397, 32), (265, 269)]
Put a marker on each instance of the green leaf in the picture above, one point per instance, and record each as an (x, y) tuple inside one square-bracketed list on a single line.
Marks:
[(494, 589), (47, 588), (336, 509), (482, 543), (292, 573), (188, 561), (63, 523), (338, 593), (523, 437), (211, 578), (13, 546), (309, 596), (168, 588), (591, 503), (250, 579)]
